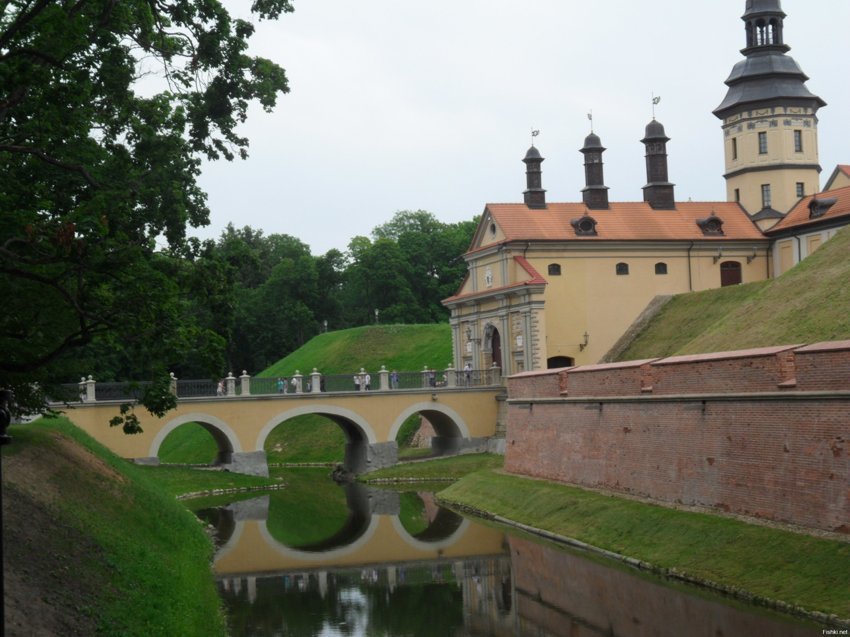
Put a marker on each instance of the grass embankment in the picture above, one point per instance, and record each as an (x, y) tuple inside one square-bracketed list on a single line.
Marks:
[(770, 563), (807, 304), (439, 469), (95, 546), (401, 347), (310, 438)]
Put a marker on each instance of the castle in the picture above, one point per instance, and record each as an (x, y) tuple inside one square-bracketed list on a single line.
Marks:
[(557, 284)]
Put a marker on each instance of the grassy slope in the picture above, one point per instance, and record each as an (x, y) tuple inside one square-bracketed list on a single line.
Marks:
[(807, 304), (401, 347), (314, 438), (775, 564), (149, 554)]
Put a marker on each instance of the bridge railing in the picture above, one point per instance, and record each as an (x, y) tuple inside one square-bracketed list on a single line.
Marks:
[(87, 390)]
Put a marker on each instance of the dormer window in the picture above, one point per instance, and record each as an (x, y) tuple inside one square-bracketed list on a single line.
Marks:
[(711, 226), (493, 229), (554, 269), (584, 226), (819, 207)]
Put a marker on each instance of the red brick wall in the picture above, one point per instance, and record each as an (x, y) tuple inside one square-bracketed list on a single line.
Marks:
[(546, 384), (780, 456), (825, 366), (611, 379)]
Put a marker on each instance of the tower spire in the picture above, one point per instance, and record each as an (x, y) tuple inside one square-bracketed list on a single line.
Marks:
[(768, 104)]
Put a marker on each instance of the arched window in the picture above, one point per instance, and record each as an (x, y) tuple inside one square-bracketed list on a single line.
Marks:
[(661, 268), (730, 273), (622, 269), (554, 269)]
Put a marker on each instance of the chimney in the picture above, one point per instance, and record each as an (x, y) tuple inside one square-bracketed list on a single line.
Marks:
[(595, 192), (534, 196), (658, 192)]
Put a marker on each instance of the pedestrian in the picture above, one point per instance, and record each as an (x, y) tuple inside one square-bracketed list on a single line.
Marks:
[(356, 382), (368, 381), (219, 390), (467, 372), (281, 385), (394, 380)]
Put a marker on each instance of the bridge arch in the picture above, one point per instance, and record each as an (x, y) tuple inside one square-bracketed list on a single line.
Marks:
[(224, 436), (448, 425), (354, 426)]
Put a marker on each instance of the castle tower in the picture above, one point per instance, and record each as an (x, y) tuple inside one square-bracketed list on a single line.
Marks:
[(769, 121), (534, 195), (658, 191), (595, 192)]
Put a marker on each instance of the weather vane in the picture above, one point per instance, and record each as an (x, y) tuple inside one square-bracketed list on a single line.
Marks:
[(534, 133), (590, 117), (655, 100)]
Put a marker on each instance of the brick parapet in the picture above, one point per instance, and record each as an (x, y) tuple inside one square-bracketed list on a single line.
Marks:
[(762, 433), (823, 366)]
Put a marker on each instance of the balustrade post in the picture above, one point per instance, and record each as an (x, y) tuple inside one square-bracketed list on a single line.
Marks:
[(451, 378), (385, 378), (426, 373), (315, 381), (172, 383), (362, 375), (91, 396), (230, 385), (297, 379), (245, 383)]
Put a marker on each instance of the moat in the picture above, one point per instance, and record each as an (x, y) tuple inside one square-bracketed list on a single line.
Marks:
[(321, 560)]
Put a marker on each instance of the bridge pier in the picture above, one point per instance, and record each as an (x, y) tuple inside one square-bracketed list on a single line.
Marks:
[(360, 456), (252, 463)]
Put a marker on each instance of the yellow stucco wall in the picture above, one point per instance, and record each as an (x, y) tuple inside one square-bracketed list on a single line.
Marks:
[(590, 297)]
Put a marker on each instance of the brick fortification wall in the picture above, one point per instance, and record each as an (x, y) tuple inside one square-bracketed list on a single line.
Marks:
[(763, 433)]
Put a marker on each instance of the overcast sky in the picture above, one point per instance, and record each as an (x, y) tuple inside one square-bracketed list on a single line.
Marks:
[(414, 104)]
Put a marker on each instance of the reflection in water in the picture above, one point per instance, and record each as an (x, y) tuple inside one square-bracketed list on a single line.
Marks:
[(453, 578)]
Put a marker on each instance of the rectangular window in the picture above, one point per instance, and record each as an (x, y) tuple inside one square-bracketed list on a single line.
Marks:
[(734, 148), (737, 195), (765, 196), (763, 143), (801, 189), (798, 141)]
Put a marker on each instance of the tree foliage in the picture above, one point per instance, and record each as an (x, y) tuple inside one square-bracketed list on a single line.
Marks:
[(106, 110)]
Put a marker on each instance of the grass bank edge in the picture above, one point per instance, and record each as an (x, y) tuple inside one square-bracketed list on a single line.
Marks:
[(799, 570), (154, 553)]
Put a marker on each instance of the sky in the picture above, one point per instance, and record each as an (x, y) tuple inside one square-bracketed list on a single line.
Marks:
[(413, 104)]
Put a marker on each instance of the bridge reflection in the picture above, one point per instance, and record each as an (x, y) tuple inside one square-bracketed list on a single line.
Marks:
[(454, 577)]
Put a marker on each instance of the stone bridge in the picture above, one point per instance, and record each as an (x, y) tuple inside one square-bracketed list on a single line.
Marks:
[(464, 420)]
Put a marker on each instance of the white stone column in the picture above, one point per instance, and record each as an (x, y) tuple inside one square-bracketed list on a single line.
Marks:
[(90, 390), (298, 378), (245, 383), (451, 377), (315, 381), (230, 385), (172, 383), (385, 378)]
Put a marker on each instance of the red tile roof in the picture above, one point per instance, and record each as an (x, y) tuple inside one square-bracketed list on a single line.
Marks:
[(800, 215), (624, 221)]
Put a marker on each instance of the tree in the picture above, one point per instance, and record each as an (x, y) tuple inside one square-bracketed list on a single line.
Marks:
[(97, 174)]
